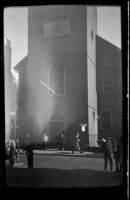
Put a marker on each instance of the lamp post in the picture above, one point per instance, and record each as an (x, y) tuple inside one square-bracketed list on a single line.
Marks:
[(83, 126)]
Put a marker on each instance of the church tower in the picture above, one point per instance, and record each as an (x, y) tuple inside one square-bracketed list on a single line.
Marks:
[(61, 73)]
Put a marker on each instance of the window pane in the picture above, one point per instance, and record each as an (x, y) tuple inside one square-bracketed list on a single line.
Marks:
[(56, 79), (108, 88), (106, 120), (57, 69), (107, 84), (106, 114), (106, 123), (107, 81), (57, 83)]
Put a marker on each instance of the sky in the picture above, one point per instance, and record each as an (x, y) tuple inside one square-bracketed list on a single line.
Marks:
[(16, 29)]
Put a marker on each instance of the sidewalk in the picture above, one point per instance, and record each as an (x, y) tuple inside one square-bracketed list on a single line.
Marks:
[(57, 152)]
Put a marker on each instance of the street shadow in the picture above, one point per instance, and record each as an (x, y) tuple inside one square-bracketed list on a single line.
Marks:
[(23, 168), (60, 178)]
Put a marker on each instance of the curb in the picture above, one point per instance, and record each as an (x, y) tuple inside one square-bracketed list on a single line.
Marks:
[(88, 154)]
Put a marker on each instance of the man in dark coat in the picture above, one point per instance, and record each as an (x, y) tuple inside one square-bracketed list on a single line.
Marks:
[(117, 151), (12, 153), (107, 150), (62, 141), (29, 151), (17, 150), (45, 140)]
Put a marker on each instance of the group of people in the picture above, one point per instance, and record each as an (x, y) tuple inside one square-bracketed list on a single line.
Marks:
[(60, 141), (112, 149), (12, 148)]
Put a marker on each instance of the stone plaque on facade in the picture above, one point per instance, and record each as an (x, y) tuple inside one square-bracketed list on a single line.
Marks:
[(56, 28)]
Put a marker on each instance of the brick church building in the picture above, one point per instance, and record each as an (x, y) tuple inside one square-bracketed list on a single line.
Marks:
[(70, 77)]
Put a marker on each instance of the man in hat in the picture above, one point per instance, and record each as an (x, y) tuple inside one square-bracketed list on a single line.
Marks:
[(107, 150), (76, 144), (45, 140), (62, 141), (117, 152), (29, 151)]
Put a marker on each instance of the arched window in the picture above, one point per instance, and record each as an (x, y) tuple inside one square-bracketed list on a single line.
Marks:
[(56, 126), (57, 79), (106, 119), (107, 85)]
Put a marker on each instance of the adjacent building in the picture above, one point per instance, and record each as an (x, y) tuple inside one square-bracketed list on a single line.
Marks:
[(10, 86), (109, 88)]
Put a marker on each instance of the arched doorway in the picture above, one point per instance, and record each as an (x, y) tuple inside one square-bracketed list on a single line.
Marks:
[(55, 127)]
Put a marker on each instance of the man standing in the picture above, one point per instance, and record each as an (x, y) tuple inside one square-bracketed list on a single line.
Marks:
[(45, 139), (17, 150), (117, 153), (107, 150), (62, 141), (76, 144), (29, 151), (12, 153)]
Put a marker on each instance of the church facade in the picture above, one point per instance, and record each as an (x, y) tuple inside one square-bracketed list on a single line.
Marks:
[(59, 85), (60, 78)]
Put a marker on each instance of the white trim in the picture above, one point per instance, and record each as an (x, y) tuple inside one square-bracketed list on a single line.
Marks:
[(91, 60)]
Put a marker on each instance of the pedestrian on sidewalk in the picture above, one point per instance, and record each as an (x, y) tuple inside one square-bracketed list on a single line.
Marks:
[(17, 150), (76, 146), (45, 140), (29, 151), (117, 154), (107, 150), (62, 141), (81, 142), (12, 153)]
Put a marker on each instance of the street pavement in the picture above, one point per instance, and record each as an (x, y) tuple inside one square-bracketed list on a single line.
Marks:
[(57, 169)]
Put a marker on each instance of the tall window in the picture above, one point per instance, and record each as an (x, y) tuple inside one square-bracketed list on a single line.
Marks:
[(106, 119), (57, 79), (107, 84)]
